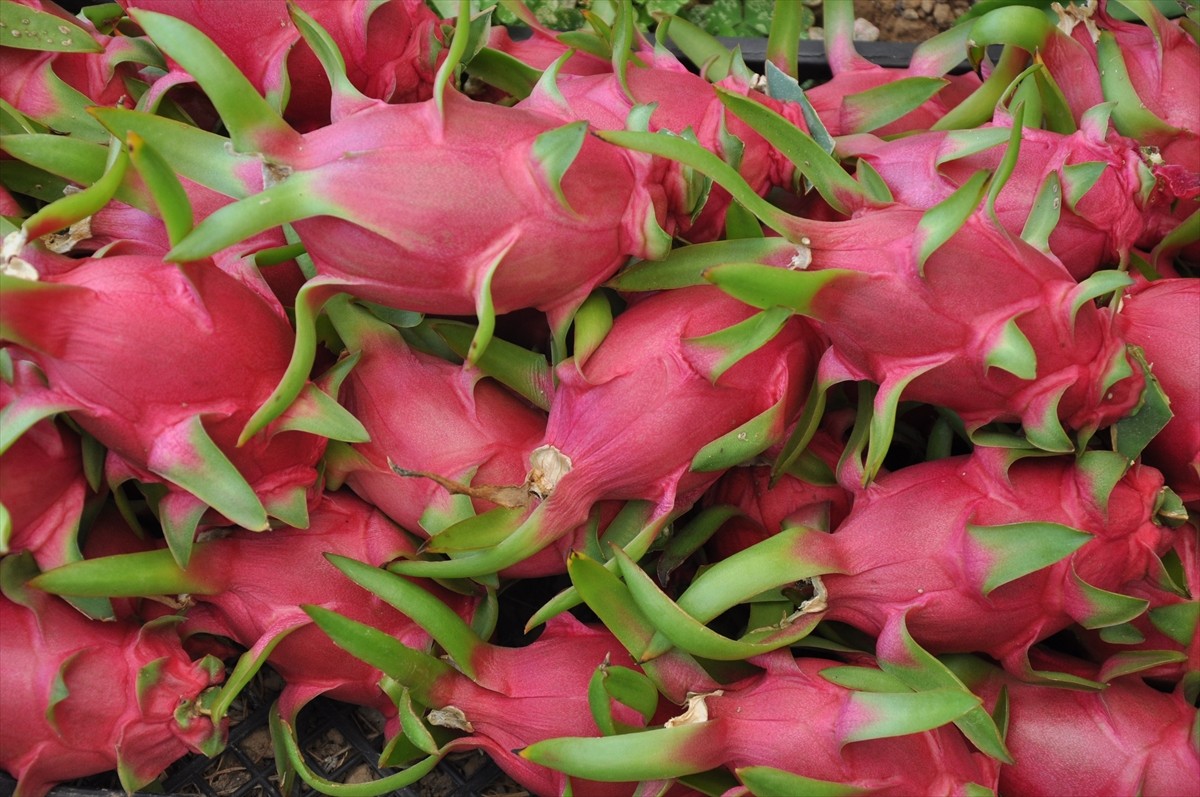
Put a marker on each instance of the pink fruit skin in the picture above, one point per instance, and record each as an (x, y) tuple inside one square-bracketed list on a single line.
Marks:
[(542, 49), (115, 343), (102, 716), (1102, 227), (256, 599), (634, 415), (682, 100), (905, 549), (387, 48), (1128, 738), (893, 320), (524, 695), (1187, 546), (791, 718), (413, 170), (766, 508), (43, 489), (1160, 317), (467, 425)]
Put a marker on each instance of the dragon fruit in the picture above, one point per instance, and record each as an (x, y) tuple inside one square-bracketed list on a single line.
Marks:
[(1169, 624), (989, 553), (681, 100), (389, 49), (82, 697), (43, 491), (232, 588), (1013, 338), (527, 186), (1106, 186), (111, 336), (796, 719), (53, 66), (1160, 318), (1128, 738), (654, 413), (470, 428), (813, 499), (502, 698)]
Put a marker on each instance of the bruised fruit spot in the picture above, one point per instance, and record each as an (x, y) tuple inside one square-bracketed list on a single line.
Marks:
[(546, 466), (450, 717), (696, 711)]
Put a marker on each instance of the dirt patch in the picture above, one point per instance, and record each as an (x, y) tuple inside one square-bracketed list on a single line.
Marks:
[(910, 20)]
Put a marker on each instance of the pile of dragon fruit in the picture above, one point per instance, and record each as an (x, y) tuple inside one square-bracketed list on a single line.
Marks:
[(848, 434)]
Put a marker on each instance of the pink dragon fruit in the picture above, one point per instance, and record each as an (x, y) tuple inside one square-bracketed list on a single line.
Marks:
[(389, 49), (82, 697), (1104, 181), (1160, 317), (989, 553), (79, 67), (795, 719), (1128, 738), (1013, 338), (234, 589), (43, 490), (526, 187), (163, 364), (1169, 624), (502, 698), (979, 506), (652, 414), (682, 101), (815, 500), (470, 428)]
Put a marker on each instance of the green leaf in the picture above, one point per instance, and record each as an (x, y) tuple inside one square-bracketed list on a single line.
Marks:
[(1093, 607), (871, 109), (686, 265), (552, 154), (892, 714), (940, 223), (742, 339), (1018, 549), (412, 668), (253, 124), (1130, 115), (1177, 620), (1079, 178), (28, 28), (1043, 214), (864, 679), (1130, 662), (77, 206), (197, 154), (1134, 432), (900, 655), (743, 443), (833, 183), (525, 372), (1012, 352), (449, 630), (592, 322), (185, 455), (765, 781), (765, 287), (677, 148), (646, 755), (172, 201), (501, 70), (141, 574)]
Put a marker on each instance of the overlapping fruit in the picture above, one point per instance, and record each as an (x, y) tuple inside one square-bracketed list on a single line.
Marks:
[(850, 433)]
